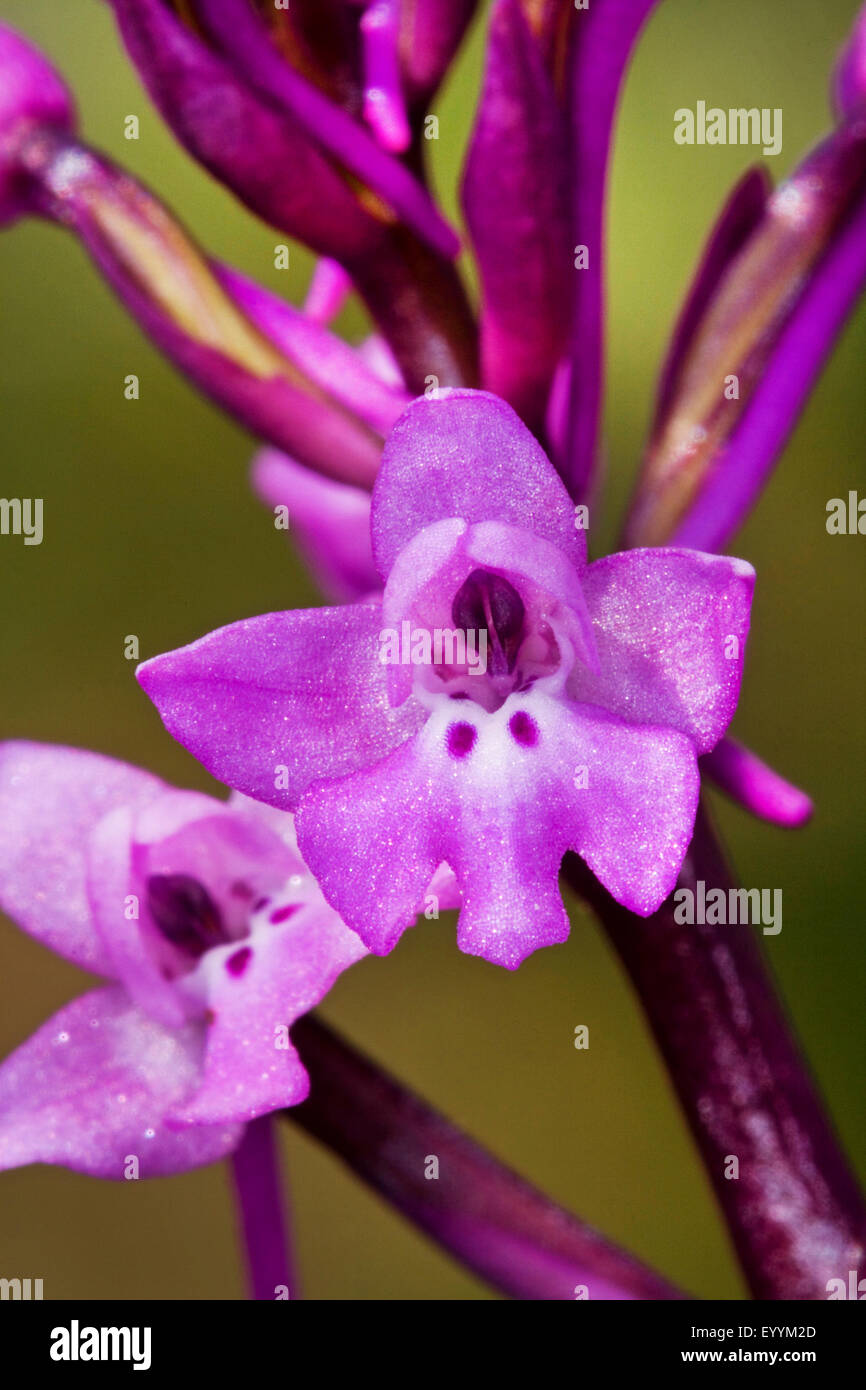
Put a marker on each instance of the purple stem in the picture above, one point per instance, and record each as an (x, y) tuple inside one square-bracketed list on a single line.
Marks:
[(794, 1211), (261, 1210), (493, 1221)]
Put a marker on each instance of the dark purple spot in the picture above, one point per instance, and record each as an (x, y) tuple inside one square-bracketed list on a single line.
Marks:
[(461, 739), (185, 913), (237, 963), (239, 889), (282, 914), (459, 695), (523, 729), (209, 1016), (488, 602), (261, 904)]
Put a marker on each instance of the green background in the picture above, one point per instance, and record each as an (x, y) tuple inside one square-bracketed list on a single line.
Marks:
[(150, 528)]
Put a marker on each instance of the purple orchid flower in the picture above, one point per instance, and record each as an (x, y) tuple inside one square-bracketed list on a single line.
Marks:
[(601, 684), (601, 687), (213, 934)]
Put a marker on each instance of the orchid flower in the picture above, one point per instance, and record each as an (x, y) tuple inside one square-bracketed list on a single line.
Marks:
[(213, 936), (587, 697), (602, 685)]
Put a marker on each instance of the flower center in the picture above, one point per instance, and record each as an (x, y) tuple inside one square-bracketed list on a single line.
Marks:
[(185, 914), (509, 641), (201, 937), (488, 603)]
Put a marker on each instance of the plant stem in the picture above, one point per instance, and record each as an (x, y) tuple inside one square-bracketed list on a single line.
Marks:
[(261, 1211), (441, 1180), (795, 1214), (419, 304)]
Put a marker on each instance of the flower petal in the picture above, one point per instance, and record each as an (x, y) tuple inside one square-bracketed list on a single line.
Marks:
[(254, 991), (501, 797), (240, 137), (670, 629), (329, 521), (270, 704), (738, 219), (329, 361), (459, 453), (850, 76), (755, 785), (30, 91), (91, 1089), (516, 200), (430, 34), (744, 376), (744, 464), (183, 833), (236, 28), (51, 800), (603, 37)]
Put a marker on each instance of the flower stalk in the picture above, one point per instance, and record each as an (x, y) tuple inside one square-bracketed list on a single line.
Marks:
[(262, 1216), (793, 1209), (490, 1219)]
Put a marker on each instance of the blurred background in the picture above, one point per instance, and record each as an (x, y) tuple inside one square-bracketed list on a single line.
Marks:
[(150, 528)]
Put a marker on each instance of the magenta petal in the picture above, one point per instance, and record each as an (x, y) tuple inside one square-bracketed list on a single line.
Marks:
[(850, 77), (603, 37), (254, 990), (329, 288), (670, 629), (430, 34), (371, 843), (272, 703), (238, 31), (746, 460), (239, 137), (30, 90), (51, 800), (90, 1090), (466, 454), (384, 101), (117, 897), (323, 357), (501, 798), (329, 521), (516, 199), (757, 787), (177, 833)]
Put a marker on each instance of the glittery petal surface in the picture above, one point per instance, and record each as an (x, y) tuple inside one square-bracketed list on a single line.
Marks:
[(91, 1089), (466, 454), (501, 805), (271, 703), (51, 799), (670, 629), (328, 521), (250, 1067)]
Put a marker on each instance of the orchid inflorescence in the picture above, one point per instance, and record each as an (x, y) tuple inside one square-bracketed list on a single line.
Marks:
[(482, 709)]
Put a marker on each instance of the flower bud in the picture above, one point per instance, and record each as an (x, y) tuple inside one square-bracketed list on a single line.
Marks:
[(31, 94)]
